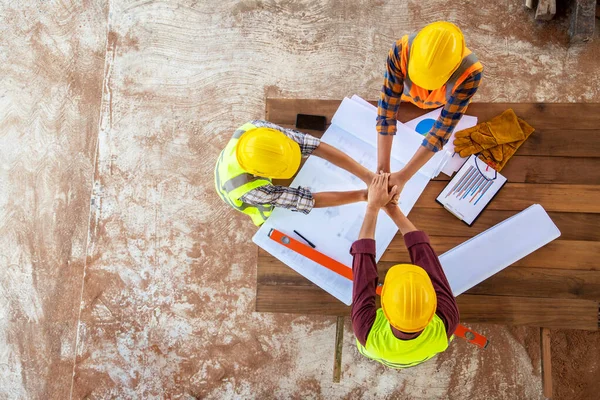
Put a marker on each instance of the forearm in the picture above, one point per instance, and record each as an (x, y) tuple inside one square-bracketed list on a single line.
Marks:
[(332, 199), (364, 270), (419, 159), (401, 221), (367, 231), (384, 150), (343, 160)]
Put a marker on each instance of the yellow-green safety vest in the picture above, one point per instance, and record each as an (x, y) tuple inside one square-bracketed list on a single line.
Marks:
[(232, 181), (392, 352)]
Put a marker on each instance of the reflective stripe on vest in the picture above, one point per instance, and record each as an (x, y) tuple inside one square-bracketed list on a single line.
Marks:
[(438, 97), (232, 182), (384, 347)]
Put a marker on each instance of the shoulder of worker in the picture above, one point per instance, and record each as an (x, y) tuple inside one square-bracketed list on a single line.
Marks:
[(396, 49), (259, 123)]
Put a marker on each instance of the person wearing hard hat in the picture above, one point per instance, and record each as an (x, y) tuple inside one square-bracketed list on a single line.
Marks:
[(259, 152), (430, 69), (418, 313)]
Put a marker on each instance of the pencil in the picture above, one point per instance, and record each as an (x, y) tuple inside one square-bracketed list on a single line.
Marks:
[(305, 239)]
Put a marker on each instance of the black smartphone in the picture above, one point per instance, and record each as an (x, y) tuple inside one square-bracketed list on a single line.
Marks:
[(314, 122)]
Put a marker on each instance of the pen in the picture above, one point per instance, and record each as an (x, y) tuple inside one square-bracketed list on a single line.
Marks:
[(305, 239)]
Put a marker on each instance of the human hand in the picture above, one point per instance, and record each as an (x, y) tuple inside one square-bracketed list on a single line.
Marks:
[(378, 194), (392, 207), (397, 179)]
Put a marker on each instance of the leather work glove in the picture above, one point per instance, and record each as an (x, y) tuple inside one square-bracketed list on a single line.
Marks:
[(497, 157), (501, 129)]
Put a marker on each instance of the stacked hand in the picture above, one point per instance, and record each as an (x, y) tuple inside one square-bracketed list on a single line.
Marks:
[(379, 194), (395, 179)]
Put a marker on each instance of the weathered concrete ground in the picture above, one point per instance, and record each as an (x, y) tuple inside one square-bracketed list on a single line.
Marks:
[(147, 291)]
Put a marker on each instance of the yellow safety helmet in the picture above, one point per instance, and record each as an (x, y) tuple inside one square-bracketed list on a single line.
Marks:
[(435, 53), (268, 153), (408, 298)]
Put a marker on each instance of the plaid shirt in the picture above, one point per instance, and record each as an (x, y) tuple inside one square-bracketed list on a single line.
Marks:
[(389, 101), (296, 199)]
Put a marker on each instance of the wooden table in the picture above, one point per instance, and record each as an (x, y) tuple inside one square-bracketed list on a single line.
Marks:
[(557, 286)]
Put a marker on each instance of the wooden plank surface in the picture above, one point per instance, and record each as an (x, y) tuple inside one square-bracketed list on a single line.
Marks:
[(539, 115), (533, 311), (518, 196), (565, 142), (513, 281), (544, 143), (554, 170), (559, 254), (339, 345), (559, 167), (546, 363), (543, 312), (439, 222)]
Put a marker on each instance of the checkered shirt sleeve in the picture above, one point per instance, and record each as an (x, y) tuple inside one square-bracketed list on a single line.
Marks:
[(296, 199), (452, 113), (308, 143), (393, 85)]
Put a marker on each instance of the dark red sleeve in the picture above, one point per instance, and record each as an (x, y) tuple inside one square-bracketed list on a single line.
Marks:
[(364, 270), (422, 254)]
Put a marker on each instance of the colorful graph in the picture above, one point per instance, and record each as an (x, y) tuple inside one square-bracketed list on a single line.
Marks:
[(424, 126), (471, 187)]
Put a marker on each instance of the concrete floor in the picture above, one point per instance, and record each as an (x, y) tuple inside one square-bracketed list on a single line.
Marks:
[(148, 291)]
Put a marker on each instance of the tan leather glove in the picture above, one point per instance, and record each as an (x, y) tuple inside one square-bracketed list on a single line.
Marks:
[(497, 157), (501, 129)]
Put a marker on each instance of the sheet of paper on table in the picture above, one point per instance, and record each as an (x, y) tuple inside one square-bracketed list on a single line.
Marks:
[(491, 251), (424, 123), (334, 229)]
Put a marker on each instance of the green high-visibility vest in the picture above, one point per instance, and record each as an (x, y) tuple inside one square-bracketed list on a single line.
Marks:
[(386, 348), (232, 181)]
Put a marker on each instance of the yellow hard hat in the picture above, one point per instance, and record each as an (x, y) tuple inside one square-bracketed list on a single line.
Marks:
[(408, 298), (435, 53), (268, 153)]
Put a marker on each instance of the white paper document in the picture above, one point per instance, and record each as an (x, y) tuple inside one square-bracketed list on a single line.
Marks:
[(491, 251), (334, 229), (452, 161), (424, 123)]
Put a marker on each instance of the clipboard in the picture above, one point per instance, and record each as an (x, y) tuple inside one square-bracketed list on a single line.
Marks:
[(470, 191)]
